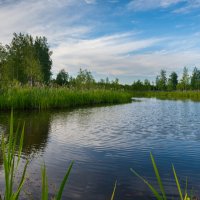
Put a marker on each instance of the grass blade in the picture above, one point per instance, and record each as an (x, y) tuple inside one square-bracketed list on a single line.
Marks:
[(156, 194), (44, 184), (114, 189), (59, 195), (177, 183), (158, 177), (22, 181)]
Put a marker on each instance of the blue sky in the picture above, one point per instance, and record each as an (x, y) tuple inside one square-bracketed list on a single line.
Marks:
[(128, 39)]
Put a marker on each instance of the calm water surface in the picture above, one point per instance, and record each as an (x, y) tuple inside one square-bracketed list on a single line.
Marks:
[(105, 142)]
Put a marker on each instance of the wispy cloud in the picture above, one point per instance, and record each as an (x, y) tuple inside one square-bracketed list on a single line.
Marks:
[(54, 19), (142, 5), (76, 38), (181, 6), (90, 1)]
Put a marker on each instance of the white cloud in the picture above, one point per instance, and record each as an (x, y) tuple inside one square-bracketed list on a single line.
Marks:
[(103, 55), (120, 54), (54, 19), (142, 5), (90, 1)]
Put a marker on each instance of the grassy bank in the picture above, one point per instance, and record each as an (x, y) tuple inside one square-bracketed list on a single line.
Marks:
[(46, 98), (174, 95)]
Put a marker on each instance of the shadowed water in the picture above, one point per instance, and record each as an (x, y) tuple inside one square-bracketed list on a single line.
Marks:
[(105, 142)]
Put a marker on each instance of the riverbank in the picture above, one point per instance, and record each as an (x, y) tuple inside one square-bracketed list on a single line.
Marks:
[(51, 98), (173, 95)]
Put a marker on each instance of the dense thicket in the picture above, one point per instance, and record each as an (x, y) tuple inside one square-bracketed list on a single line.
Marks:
[(25, 60)]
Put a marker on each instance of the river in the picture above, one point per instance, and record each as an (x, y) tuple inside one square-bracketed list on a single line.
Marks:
[(105, 142)]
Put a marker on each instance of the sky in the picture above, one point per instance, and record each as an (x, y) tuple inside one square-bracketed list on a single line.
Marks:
[(125, 39)]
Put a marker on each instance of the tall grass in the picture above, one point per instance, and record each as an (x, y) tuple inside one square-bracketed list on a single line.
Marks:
[(161, 195), (45, 98), (174, 95), (11, 158)]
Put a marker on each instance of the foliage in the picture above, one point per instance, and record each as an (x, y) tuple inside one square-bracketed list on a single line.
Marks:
[(161, 80), (58, 196), (84, 79), (185, 80), (172, 81), (26, 60), (45, 98), (62, 78), (11, 162), (195, 79)]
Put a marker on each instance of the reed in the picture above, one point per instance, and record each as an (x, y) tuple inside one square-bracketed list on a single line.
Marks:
[(161, 195), (11, 158), (46, 98), (173, 95)]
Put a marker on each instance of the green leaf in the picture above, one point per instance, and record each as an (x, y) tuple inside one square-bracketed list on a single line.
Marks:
[(158, 177), (156, 194), (59, 194), (177, 183), (22, 180), (44, 184)]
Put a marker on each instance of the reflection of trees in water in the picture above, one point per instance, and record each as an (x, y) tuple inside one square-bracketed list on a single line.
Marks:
[(36, 129)]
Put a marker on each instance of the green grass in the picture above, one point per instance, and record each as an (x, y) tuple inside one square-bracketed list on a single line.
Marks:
[(46, 98), (174, 95)]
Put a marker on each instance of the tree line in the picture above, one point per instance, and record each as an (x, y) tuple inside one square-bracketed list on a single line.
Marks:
[(27, 60), (171, 83)]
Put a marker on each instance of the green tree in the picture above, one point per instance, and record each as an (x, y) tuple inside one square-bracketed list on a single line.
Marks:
[(137, 85), (161, 80), (184, 83), (32, 67), (195, 79), (3, 57), (85, 79), (44, 55), (62, 78), (147, 84), (172, 81), (28, 59)]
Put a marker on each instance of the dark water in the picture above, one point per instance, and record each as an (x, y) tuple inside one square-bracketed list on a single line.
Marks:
[(105, 142)]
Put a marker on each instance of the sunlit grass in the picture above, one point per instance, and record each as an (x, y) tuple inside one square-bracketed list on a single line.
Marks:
[(45, 98)]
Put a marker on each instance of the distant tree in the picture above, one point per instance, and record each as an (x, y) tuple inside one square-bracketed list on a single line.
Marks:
[(84, 78), (137, 85), (195, 79), (147, 84), (44, 55), (172, 81), (62, 78), (115, 83), (161, 80), (107, 80), (184, 83)]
